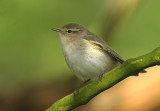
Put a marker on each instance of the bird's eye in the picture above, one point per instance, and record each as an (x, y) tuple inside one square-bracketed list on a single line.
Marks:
[(69, 31)]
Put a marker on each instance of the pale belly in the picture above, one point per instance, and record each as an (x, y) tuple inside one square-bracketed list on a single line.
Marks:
[(87, 62)]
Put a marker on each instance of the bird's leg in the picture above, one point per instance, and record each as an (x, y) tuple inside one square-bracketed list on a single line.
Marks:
[(80, 86), (100, 76)]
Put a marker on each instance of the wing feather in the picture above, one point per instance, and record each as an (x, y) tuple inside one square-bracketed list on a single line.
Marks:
[(109, 51), (95, 40)]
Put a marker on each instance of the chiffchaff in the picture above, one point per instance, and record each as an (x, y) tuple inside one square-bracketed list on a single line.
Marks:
[(86, 54)]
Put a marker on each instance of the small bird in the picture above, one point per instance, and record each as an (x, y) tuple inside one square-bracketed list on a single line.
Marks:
[(86, 54)]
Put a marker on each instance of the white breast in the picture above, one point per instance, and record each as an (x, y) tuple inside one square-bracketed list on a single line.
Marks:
[(85, 61)]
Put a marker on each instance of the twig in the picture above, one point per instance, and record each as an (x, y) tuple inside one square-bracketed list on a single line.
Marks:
[(86, 93)]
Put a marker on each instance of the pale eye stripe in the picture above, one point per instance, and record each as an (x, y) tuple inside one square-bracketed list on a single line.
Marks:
[(71, 29)]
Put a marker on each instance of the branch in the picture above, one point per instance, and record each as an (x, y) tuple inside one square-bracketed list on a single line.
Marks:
[(86, 93)]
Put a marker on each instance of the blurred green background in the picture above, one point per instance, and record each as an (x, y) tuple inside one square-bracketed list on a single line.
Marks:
[(31, 53)]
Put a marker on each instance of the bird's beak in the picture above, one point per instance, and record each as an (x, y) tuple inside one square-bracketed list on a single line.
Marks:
[(57, 30)]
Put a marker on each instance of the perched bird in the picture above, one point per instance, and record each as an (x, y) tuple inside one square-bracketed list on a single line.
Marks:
[(86, 54)]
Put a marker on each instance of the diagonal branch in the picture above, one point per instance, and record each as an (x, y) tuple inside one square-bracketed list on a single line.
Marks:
[(86, 93)]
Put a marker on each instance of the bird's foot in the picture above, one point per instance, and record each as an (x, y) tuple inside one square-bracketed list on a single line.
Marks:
[(100, 76), (83, 84)]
